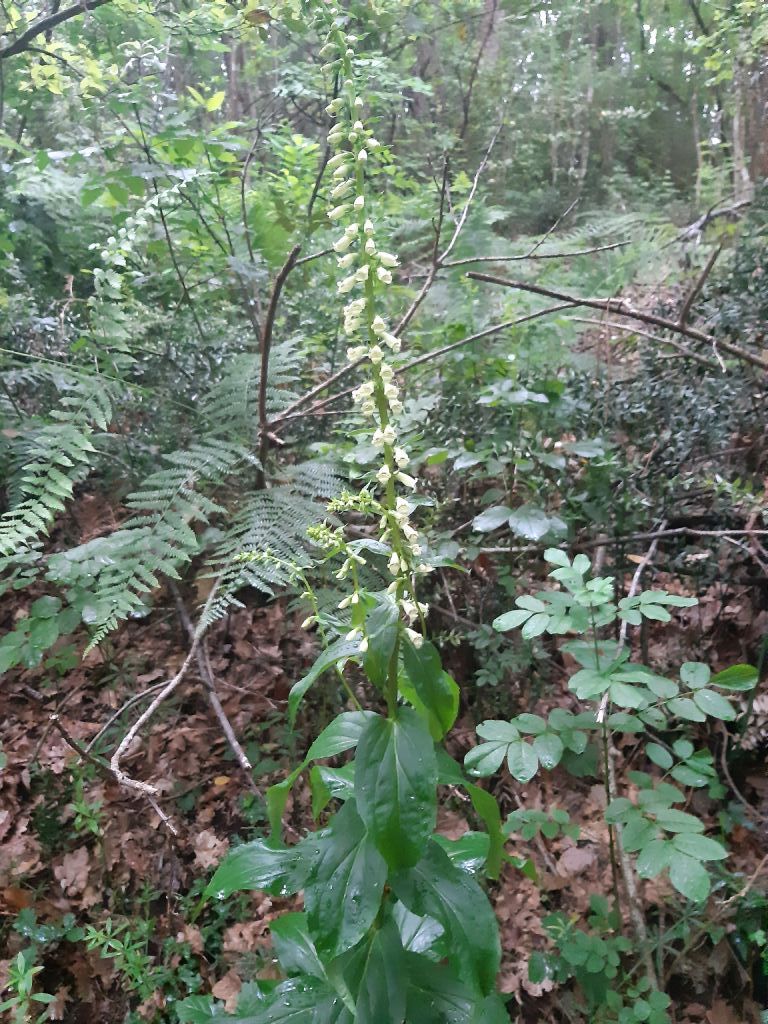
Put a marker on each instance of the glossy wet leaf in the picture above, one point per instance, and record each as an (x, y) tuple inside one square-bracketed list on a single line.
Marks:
[(381, 994), (338, 651), (262, 866), (343, 892), (342, 734), (395, 785), (436, 693), (437, 888)]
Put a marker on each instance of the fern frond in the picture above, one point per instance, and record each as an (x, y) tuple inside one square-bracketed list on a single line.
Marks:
[(157, 541), (48, 460), (267, 537)]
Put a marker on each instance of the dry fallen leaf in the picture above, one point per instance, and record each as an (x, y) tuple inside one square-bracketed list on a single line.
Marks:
[(72, 873), (209, 849), (228, 989)]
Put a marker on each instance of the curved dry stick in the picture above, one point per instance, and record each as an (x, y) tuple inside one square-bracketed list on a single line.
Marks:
[(136, 784), (622, 308), (265, 347), (209, 681)]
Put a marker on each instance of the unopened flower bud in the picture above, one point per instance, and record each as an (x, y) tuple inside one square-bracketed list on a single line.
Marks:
[(339, 211), (343, 243), (346, 284), (342, 189)]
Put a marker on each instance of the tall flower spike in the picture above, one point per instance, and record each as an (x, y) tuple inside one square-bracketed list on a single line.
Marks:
[(377, 396)]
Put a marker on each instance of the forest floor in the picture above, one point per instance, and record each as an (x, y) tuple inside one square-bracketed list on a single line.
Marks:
[(73, 842)]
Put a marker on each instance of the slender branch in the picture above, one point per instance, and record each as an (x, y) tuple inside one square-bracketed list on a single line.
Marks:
[(622, 308), (438, 259), (678, 531), (692, 295), (435, 353), (47, 24), (313, 256), (466, 100), (475, 182), (265, 346), (209, 681), (553, 228), (315, 410), (105, 769), (535, 256), (125, 780), (631, 329)]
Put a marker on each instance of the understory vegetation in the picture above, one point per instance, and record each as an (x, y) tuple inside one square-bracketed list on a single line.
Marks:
[(384, 524)]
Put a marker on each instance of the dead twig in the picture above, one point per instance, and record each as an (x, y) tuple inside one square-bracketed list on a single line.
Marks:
[(520, 257), (168, 688), (622, 308), (209, 681), (699, 284), (265, 346), (632, 329)]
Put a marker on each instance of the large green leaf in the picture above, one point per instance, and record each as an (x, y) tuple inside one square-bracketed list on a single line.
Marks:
[(435, 995), (714, 705), (297, 1001), (381, 630), (342, 734), (294, 947), (689, 877), (737, 677), (487, 807), (263, 866), (699, 847), (338, 651), (396, 785), (436, 692), (343, 892), (532, 523), (491, 518), (437, 888), (381, 994)]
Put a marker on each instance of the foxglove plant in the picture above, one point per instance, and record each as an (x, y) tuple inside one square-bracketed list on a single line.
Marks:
[(395, 926)]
